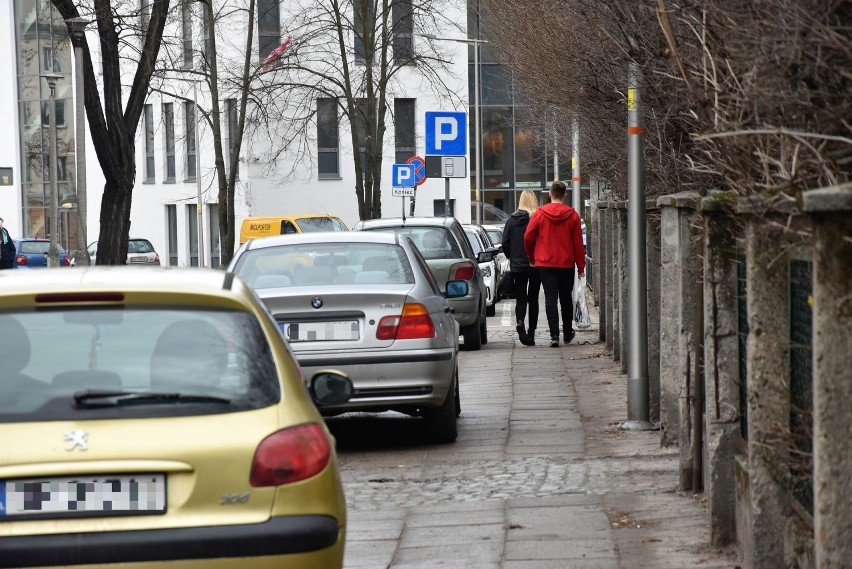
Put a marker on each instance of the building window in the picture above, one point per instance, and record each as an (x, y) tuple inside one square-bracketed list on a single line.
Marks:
[(189, 121), (403, 125), (169, 120), (268, 27), (150, 175), (327, 138), (213, 221), (192, 227), (186, 32), (403, 32), (363, 37), (144, 16), (205, 32), (233, 133), (49, 60), (171, 223), (60, 112)]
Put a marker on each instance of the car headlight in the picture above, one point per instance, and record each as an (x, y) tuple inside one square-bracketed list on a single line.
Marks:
[(486, 271)]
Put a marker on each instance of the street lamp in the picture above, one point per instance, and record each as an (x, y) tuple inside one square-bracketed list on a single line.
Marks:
[(477, 146), (53, 250), (78, 38)]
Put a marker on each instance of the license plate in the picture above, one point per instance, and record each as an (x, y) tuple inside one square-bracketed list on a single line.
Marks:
[(321, 331), (107, 495), (138, 259)]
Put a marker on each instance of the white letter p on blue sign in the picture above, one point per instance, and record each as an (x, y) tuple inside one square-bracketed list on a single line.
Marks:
[(402, 175), (446, 133)]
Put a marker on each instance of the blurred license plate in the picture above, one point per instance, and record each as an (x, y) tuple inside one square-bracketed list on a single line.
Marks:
[(321, 331), (144, 493), (138, 259)]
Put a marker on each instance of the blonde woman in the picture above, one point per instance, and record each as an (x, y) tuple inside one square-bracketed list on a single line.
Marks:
[(527, 281)]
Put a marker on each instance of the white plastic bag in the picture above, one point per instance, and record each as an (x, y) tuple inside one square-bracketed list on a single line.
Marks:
[(581, 309)]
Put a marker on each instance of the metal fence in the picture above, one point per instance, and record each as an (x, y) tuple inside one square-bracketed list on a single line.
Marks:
[(801, 381)]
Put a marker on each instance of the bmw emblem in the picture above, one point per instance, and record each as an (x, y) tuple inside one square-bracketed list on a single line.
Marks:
[(316, 302)]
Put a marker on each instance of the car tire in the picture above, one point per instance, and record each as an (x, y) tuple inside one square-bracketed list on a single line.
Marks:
[(491, 310), (441, 421), (472, 334), (483, 328)]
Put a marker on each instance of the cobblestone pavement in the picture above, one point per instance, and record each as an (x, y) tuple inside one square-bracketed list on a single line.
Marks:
[(540, 476)]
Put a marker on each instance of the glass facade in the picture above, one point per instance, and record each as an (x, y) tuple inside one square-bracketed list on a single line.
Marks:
[(44, 47), (515, 152)]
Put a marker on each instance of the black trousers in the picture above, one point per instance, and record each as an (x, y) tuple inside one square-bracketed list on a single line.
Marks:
[(558, 285), (527, 287)]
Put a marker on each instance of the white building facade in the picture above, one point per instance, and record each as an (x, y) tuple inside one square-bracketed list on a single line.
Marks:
[(312, 173)]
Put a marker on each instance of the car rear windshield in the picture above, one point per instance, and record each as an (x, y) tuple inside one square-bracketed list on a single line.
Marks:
[(139, 246), (325, 264), (61, 364), (433, 242), (38, 247), (317, 224)]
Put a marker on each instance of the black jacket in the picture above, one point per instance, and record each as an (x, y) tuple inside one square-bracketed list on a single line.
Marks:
[(513, 242), (7, 250)]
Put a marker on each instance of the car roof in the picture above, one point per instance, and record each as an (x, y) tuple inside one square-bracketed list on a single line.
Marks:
[(321, 237), (407, 221), (154, 280)]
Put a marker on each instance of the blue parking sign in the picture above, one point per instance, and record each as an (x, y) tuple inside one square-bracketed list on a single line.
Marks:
[(402, 176), (446, 133)]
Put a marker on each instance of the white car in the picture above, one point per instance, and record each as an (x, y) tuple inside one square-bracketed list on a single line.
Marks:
[(490, 270), (495, 233)]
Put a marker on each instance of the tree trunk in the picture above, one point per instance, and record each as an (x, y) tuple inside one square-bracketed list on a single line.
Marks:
[(115, 223)]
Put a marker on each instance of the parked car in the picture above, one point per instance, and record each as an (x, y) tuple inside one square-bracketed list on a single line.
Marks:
[(266, 226), (158, 417), (366, 304), (31, 253), (139, 252), (495, 232), (445, 247), (479, 241)]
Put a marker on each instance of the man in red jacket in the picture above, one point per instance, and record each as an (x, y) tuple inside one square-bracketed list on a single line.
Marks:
[(554, 245)]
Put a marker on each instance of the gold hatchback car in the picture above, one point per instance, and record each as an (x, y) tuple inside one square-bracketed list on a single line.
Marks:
[(157, 418)]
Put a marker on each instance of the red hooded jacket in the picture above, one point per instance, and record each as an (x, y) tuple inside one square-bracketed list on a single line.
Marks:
[(554, 238)]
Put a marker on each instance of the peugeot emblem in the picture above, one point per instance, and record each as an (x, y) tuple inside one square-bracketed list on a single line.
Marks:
[(316, 302), (76, 438)]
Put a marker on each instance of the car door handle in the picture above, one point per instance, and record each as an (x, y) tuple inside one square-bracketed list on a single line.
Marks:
[(450, 310)]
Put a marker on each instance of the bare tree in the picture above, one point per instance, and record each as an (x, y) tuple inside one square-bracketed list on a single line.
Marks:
[(113, 128)]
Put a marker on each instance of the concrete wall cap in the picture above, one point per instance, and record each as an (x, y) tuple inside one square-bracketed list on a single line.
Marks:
[(687, 200), (762, 204), (834, 198), (719, 200)]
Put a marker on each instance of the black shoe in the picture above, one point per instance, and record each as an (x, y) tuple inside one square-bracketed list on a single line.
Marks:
[(531, 334), (570, 336), (522, 335), (554, 342)]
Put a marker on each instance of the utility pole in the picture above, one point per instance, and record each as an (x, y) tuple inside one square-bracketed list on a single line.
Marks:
[(638, 406), (78, 38)]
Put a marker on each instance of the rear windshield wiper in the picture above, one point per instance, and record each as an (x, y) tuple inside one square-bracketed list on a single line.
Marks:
[(112, 398)]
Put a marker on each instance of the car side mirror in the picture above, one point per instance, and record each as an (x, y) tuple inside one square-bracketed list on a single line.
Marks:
[(456, 289), (330, 387), (485, 256)]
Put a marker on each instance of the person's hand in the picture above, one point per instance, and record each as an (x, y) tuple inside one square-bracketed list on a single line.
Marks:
[(582, 274)]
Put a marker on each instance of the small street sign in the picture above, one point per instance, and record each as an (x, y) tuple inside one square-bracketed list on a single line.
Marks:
[(419, 169), (402, 175), (403, 192), (446, 167)]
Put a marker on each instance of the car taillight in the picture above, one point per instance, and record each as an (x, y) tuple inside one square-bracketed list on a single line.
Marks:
[(157, 257), (462, 271), (290, 455), (66, 262), (21, 260), (414, 322)]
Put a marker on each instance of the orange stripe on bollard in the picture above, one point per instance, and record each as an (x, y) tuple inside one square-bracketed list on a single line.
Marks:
[(636, 130)]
